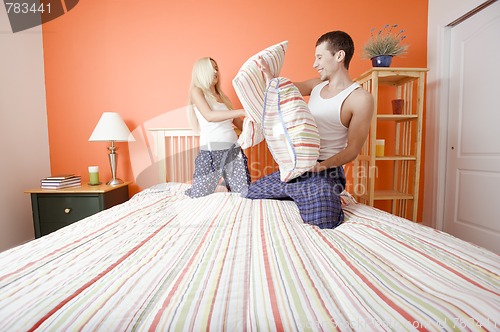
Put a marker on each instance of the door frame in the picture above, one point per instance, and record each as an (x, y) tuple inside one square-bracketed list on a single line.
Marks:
[(443, 15)]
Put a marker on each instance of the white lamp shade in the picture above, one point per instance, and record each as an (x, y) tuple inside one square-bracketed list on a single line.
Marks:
[(111, 127)]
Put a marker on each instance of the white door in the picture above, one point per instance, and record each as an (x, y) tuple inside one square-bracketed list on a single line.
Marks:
[(472, 202)]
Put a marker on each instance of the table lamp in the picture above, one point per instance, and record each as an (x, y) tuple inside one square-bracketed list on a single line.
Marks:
[(112, 128)]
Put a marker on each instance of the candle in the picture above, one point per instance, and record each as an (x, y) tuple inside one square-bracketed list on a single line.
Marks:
[(379, 147), (94, 175)]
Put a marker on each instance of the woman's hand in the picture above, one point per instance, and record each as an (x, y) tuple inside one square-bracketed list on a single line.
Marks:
[(241, 113), (264, 68)]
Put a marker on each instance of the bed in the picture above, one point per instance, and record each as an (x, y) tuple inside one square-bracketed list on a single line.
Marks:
[(165, 262)]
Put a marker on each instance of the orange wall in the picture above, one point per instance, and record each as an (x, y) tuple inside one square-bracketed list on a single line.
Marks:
[(135, 58)]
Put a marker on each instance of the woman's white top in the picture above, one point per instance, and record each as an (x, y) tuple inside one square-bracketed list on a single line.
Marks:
[(326, 112), (216, 135)]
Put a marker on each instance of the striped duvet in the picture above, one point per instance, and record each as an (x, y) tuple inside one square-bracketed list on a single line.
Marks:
[(165, 262)]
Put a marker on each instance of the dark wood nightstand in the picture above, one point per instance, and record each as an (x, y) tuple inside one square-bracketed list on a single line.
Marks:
[(54, 209)]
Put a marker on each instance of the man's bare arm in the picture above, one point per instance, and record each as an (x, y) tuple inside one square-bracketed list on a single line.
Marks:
[(305, 87)]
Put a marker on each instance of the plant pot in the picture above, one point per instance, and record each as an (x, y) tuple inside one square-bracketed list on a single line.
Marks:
[(382, 61)]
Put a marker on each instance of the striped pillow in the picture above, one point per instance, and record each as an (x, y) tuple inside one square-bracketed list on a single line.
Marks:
[(251, 134), (289, 128), (250, 84)]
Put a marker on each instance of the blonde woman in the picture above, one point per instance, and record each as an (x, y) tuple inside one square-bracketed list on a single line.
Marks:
[(211, 112)]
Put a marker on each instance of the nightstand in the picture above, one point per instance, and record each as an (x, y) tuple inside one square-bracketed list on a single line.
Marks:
[(54, 209)]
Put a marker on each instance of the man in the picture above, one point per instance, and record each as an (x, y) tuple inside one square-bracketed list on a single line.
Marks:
[(343, 113)]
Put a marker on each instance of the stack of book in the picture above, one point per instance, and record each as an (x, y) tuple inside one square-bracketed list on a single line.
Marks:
[(61, 181)]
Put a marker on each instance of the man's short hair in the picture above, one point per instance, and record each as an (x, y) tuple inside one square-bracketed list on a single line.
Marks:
[(337, 41)]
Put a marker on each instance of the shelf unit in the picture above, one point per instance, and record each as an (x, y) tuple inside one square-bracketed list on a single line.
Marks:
[(395, 176)]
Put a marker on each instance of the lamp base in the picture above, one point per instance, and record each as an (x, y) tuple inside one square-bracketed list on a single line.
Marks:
[(114, 182), (112, 162)]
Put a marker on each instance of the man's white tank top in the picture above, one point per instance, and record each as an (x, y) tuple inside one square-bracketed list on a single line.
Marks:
[(326, 112), (216, 135)]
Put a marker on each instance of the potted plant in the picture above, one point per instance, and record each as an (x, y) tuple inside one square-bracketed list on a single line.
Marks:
[(385, 45)]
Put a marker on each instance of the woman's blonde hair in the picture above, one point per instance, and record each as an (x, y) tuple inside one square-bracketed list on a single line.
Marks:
[(202, 77)]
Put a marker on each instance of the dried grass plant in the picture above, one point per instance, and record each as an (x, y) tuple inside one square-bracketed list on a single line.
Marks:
[(385, 42)]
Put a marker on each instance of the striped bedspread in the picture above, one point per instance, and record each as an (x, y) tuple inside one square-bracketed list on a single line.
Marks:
[(165, 262)]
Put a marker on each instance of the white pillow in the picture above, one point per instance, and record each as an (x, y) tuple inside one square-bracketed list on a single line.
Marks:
[(250, 84), (290, 129), (251, 134)]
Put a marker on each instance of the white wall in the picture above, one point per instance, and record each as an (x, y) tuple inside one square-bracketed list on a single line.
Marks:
[(23, 132), (441, 13)]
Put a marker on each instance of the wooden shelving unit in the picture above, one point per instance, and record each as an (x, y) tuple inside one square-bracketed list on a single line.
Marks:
[(395, 176)]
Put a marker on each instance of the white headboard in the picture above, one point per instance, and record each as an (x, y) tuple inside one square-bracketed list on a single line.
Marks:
[(176, 150)]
